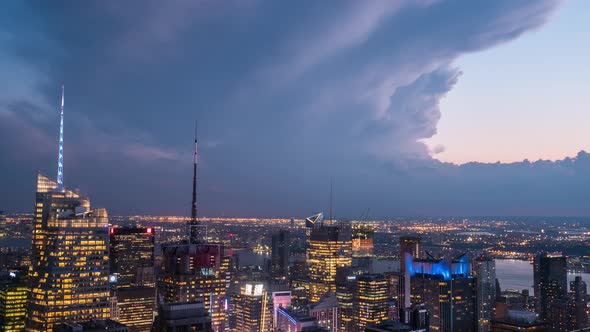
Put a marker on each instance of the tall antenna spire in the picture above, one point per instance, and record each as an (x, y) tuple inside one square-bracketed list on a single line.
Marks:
[(331, 189), (193, 224), (60, 158), (194, 206)]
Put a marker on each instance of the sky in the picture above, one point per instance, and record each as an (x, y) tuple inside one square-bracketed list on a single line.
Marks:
[(430, 107)]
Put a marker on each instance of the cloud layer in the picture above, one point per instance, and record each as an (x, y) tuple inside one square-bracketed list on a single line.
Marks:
[(286, 96)]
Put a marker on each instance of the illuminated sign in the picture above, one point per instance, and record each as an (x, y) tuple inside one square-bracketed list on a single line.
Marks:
[(113, 278), (255, 290), (207, 271)]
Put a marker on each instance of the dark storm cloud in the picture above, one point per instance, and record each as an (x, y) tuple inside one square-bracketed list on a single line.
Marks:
[(286, 96)]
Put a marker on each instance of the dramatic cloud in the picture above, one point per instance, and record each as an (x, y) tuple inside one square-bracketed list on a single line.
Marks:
[(285, 95)]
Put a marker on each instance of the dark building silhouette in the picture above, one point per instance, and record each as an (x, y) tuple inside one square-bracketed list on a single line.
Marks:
[(409, 247), (550, 277), (186, 316), (578, 295), (280, 254)]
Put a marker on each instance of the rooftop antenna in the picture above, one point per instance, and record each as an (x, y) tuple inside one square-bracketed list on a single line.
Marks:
[(194, 222), (60, 158), (331, 190)]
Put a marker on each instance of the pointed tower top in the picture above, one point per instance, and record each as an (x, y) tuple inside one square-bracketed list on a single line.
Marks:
[(60, 157)]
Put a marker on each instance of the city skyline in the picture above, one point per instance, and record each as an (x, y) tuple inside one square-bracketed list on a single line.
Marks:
[(292, 127)]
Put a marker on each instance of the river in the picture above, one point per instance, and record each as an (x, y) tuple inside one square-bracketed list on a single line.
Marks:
[(516, 274)]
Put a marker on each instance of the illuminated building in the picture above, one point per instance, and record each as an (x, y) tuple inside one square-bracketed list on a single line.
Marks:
[(70, 259), (280, 299), (578, 298), (186, 316), (132, 265), (362, 240), (484, 269), (329, 248), (409, 247), (13, 302), (107, 325), (196, 272), (289, 321), (345, 284), (135, 307), (550, 277), (132, 256), (325, 312), (370, 300), (252, 309), (447, 292), (280, 254)]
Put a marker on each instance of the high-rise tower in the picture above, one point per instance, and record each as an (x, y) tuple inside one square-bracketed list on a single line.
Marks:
[(70, 255)]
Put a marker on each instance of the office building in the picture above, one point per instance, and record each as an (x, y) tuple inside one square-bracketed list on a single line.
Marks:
[(70, 259), (132, 256), (409, 248), (14, 290), (447, 292), (95, 325), (362, 240), (135, 307), (370, 300), (252, 309), (330, 247), (186, 316), (132, 269), (484, 269), (550, 277), (578, 294), (280, 254), (196, 272)]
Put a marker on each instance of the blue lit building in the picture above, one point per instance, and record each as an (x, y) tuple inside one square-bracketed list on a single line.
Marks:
[(446, 290)]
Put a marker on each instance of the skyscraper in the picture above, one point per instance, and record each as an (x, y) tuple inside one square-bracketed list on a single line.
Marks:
[(550, 276), (70, 254), (13, 302), (186, 316), (196, 272), (409, 247), (330, 247), (253, 313), (484, 269), (448, 293), (70, 259), (578, 303), (132, 264), (132, 256), (370, 300), (280, 254)]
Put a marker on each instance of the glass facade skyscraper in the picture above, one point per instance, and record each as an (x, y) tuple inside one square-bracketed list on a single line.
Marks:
[(330, 247), (70, 259)]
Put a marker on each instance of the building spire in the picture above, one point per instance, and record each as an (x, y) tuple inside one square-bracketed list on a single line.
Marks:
[(60, 158), (193, 224), (194, 205)]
